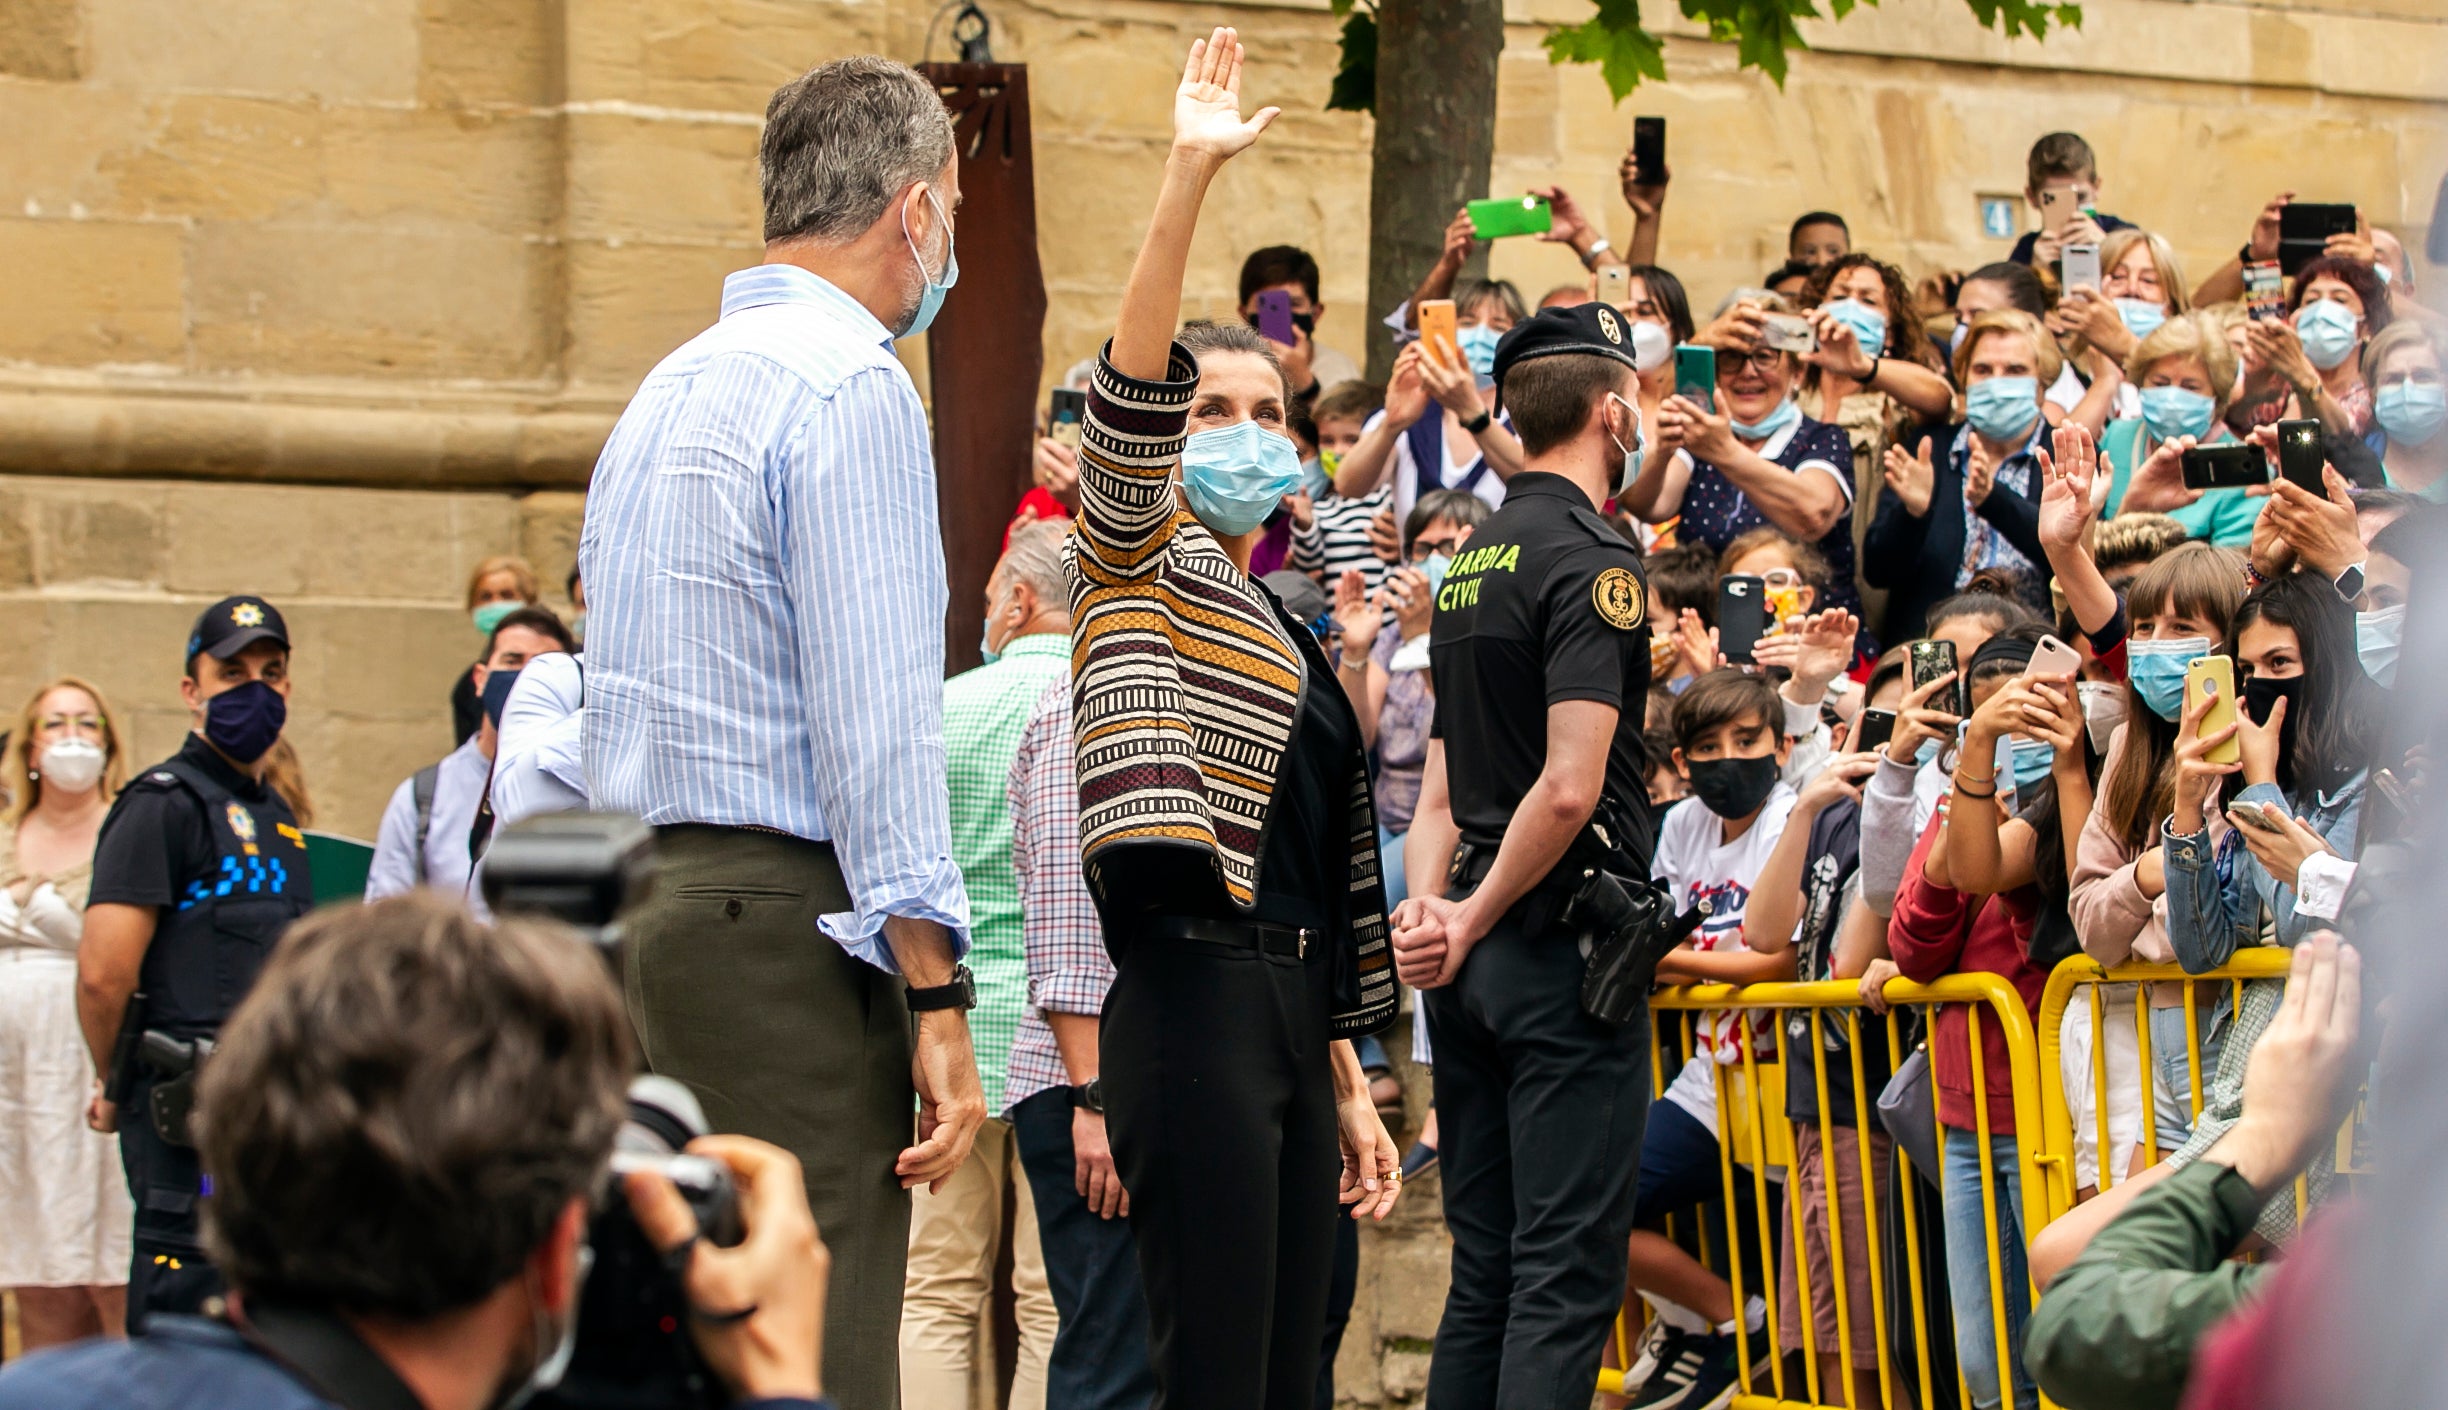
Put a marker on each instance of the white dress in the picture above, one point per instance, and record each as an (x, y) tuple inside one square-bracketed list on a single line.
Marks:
[(65, 1216)]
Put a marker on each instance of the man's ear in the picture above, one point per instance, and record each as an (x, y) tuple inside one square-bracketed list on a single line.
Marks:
[(554, 1264), (1682, 768), (1025, 598), (477, 678)]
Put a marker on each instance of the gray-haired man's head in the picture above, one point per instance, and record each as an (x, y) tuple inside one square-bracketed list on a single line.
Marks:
[(844, 146)]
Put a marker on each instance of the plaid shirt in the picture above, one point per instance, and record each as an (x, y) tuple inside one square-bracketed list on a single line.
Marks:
[(985, 711), (1068, 971)]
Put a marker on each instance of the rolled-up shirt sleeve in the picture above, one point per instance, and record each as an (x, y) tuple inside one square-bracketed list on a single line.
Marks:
[(865, 577)]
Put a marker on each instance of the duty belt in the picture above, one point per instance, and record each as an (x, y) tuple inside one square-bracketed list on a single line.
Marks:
[(1294, 941)]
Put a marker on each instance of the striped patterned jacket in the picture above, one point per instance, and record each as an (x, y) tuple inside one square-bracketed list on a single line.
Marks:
[(1187, 680)]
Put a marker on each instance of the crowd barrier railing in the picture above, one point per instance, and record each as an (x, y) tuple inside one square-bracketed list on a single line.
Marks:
[(1758, 1138)]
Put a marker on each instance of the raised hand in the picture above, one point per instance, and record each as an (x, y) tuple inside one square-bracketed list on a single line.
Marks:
[(1447, 376), (1645, 200), (1355, 614), (1207, 117), (1565, 217), (2264, 239), (1911, 476), (2066, 504), (1824, 647), (1918, 721), (1460, 235), (2321, 530), (1406, 398)]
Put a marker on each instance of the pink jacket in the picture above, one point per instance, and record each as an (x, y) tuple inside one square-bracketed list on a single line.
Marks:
[(2114, 919)]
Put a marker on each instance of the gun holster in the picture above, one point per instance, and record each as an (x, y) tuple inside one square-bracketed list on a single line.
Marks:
[(173, 1099), (1626, 927)]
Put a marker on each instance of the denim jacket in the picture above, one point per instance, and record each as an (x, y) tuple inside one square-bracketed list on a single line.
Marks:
[(2216, 897)]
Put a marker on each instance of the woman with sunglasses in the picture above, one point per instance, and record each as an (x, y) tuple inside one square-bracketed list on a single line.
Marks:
[(1754, 459)]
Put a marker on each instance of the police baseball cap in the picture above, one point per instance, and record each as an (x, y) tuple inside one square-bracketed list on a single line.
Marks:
[(1592, 329), (233, 624)]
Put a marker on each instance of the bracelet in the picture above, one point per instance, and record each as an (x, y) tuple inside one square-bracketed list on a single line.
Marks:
[(1478, 423), (1349, 664), (1599, 246), (1974, 792), (1872, 375)]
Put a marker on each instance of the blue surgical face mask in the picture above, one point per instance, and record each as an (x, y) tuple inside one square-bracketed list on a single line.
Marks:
[(2411, 412), (2027, 760), (930, 302), (1868, 324), (2378, 635), (2169, 412), (2003, 408), (1236, 475), (2327, 330), (1634, 455), (1478, 344), (2142, 317), (2157, 670), (1433, 568), (1787, 412), (1926, 754)]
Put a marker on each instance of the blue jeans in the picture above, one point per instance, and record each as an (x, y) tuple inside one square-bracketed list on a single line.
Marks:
[(1967, 1255), (1100, 1356), (1390, 866)]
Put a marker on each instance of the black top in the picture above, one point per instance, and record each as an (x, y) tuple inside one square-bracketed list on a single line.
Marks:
[(1304, 868), (1916, 558), (157, 839), (1545, 604), (467, 709), (1828, 869)]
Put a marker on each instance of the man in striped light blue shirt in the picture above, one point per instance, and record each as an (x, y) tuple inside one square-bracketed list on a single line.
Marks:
[(766, 594)]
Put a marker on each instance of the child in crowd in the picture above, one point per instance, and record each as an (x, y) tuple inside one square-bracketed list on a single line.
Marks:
[(1330, 533), (1682, 609), (1730, 746), (2062, 161), (1817, 238)]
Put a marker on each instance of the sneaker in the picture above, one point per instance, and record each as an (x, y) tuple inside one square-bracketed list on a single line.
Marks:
[(1698, 1373), (1672, 1357), (1645, 1356)]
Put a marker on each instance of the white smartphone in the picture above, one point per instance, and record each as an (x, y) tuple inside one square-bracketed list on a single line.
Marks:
[(2052, 659), (2079, 267)]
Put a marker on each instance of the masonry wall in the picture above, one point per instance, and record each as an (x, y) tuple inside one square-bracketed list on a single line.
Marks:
[(327, 299)]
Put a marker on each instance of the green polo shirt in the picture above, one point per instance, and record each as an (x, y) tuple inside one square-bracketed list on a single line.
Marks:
[(985, 711)]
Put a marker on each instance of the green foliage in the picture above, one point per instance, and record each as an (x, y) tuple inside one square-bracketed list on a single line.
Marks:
[(1355, 82), (1626, 52)]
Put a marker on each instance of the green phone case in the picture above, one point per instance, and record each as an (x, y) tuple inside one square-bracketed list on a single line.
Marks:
[(1696, 374), (1511, 215)]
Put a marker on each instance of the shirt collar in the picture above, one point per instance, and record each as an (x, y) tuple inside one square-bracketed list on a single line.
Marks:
[(1545, 482), (1774, 446), (202, 755), (1037, 644), (764, 284)]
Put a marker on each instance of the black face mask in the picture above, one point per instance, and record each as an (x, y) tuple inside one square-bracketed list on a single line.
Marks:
[(1734, 788), (2261, 694)]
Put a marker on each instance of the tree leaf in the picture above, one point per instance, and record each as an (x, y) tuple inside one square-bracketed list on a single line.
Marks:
[(1355, 82), (1614, 40)]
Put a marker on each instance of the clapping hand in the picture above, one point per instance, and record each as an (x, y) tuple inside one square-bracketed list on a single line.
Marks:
[(1696, 643), (1980, 472), (1355, 614), (1911, 476), (2068, 497), (1207, 119)]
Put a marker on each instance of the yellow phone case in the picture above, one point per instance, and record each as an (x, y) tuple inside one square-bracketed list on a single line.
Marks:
[(2214, 676)]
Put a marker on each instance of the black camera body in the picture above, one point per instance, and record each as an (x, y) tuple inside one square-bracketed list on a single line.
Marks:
[(633, 1349)]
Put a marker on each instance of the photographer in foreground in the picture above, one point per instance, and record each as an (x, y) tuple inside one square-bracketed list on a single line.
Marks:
[(406, 1126)]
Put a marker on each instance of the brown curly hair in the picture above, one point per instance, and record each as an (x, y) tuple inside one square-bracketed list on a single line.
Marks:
[(1904, 336)]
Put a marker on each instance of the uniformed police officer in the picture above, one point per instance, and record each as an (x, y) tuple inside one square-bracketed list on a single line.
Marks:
[(199, 869), (1541, 658)]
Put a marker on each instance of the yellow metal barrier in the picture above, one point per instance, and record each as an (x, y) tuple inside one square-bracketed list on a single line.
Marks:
[(1756, 1134)]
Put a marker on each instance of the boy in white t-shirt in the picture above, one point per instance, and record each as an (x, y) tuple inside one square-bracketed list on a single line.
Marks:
[(1730, 743)]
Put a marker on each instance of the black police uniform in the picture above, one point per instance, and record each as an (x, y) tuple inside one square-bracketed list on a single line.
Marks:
[(1540, 1107), (220, 859)]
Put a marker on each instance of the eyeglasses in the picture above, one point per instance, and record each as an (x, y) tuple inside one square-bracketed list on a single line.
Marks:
[(91, 724), (1760, 359), (1422, 548), (1781, 578)]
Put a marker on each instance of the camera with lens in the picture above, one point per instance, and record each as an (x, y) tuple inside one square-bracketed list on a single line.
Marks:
[(633, 1343)]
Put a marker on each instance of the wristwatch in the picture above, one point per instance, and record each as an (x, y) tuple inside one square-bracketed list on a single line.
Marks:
[(1089, 1096), (1478, 423), (2349, 584), (960, 993), (1599, 246)]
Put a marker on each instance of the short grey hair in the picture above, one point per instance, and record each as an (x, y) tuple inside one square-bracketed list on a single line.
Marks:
[(1034, 556), (842, 140)]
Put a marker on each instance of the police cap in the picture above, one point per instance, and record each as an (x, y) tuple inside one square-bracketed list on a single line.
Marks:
[(1592, 329), (233, 624)]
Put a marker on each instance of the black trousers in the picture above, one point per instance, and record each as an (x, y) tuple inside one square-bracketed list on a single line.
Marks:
[(1539, 1115), (784, 1037), (1220, 1105), (167, 1272)]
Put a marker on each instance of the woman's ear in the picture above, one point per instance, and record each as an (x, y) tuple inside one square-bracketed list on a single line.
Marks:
[(1682, 769)]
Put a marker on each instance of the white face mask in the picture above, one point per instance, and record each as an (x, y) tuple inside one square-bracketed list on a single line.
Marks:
[(2103, 709), (72, 765), (554, 1346), (1635, 453)]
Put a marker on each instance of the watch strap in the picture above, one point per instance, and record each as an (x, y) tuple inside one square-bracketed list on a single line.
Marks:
[(960, 993), (1478, 423), (2349, 584)]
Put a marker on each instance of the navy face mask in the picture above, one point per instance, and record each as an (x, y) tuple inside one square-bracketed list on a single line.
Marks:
[(243, 722), (497, 693)]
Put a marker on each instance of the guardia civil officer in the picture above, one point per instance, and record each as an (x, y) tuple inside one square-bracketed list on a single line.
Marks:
[(1541, 656), (199, 869)]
